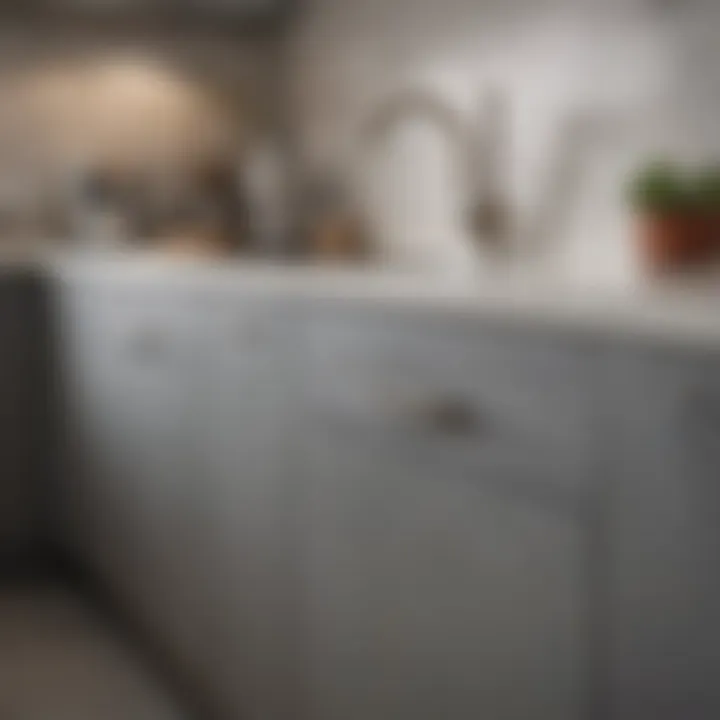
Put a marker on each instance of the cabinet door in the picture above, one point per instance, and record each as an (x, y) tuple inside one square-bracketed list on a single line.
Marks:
[(250, 477), (85, 491), (128, 374), (446, 556), (665, 536)]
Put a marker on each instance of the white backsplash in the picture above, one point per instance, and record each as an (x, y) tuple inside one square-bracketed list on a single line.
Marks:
[(644, 69)]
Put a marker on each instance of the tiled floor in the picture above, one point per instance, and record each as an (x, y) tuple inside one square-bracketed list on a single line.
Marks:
[(58, 661)]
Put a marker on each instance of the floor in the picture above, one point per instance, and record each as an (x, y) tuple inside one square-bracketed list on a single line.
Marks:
[(59, 661)]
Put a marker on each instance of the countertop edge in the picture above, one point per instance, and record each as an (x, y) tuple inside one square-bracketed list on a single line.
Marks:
[(683, 314)]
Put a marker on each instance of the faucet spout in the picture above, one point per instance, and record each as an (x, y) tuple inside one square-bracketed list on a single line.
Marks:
[(489, 216), (479, 155)]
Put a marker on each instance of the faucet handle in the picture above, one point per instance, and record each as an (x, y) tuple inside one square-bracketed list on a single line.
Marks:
[(489, 208), (489, 222)]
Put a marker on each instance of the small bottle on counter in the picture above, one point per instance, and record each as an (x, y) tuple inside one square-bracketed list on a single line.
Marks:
[(334, 229), (263, 180)]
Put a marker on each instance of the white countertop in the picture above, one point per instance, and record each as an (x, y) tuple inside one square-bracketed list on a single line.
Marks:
[(686, 312)]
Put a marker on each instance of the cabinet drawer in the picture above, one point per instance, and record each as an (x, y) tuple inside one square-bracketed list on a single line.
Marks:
[(128, 326), (449, 391), (246, 327), (124, 369)]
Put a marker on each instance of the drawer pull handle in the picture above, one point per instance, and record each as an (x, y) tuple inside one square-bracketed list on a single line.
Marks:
[(453, 417)]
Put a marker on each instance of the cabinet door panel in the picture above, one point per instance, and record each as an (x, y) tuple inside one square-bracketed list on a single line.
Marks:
[(494, 403), (665, 537), (431, 596), (87, 445), (251, 474), (445, 580), (128, 363)]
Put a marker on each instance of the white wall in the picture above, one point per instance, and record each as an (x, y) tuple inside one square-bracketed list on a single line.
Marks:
[(647, 70)]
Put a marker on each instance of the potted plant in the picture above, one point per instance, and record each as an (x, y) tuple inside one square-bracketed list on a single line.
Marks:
[(668, 215), (707, 196)]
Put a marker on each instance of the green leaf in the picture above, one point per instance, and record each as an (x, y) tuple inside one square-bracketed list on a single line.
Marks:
[(661, 186)]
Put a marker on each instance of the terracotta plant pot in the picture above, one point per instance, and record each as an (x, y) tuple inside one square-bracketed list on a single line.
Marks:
[(673, 241), (712, 234)]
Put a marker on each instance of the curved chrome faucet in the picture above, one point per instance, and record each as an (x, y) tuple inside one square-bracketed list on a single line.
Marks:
[(482, 155), (479, 154)]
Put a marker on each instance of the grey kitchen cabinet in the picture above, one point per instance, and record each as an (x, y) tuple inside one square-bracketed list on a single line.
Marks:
[(342, 510), (179, 479), (663, 420), (129, 486), (86, 487), (251, 482), (446, 554)]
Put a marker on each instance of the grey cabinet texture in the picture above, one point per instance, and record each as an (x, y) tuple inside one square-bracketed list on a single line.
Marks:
[(664, 536), (446, 537), (177, 487), (249, 485), (332, 510), (129, 485)]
